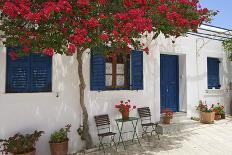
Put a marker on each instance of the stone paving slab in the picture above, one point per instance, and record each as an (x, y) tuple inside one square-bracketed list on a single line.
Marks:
[(204, 139)]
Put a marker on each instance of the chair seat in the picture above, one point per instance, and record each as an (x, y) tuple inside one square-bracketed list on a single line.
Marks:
[(106, 134), (149, 124)]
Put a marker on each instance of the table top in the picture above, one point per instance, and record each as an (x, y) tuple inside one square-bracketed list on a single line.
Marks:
[(129, 119)]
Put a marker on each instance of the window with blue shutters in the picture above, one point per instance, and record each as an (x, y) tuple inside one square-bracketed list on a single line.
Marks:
[(213, 73), (29, 74), (97, 75), (116, 72), (137, 70)]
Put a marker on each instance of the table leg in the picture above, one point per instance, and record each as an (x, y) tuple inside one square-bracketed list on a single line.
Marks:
[(120, 135), (135, 133)]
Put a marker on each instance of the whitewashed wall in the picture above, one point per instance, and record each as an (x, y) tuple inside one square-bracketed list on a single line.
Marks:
[(193, 52), (45, 111)]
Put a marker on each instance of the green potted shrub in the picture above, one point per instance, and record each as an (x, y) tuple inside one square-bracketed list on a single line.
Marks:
[(223, 115), (59, 141), (206, 114), (219, 110), (20, 144)]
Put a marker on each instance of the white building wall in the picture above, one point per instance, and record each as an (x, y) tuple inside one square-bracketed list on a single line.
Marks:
[(26, 112)]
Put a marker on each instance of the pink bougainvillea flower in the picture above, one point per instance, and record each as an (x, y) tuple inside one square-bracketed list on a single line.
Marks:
[(102, 2), (71, 48), (83, 3), (104, 37), (146, 50), (13, 55), (48, 51), (26, 50)]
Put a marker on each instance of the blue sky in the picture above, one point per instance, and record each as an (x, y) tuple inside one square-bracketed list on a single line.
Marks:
[(224, 17)]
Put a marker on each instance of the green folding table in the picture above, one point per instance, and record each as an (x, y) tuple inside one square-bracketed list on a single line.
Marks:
[(134, 122)]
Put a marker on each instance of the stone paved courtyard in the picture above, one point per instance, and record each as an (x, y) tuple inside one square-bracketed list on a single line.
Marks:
[(204, 139)]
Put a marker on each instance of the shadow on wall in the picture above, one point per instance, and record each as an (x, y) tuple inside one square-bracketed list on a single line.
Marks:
[(66, 84), (2, 69)]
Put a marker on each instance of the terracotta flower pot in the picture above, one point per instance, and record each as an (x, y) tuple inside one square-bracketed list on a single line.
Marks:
[(59, 148), (207, 117), (217, 117), (166, 120), (125, 115), (29, 153), (223, 116)]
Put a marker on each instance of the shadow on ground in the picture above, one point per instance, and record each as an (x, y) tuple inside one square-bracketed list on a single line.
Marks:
[(149, 145)]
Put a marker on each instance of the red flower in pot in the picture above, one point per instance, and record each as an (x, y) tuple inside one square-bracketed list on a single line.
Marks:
[(125, 108)]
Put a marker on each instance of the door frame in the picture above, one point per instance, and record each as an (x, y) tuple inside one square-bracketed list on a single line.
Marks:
[(177, 81)]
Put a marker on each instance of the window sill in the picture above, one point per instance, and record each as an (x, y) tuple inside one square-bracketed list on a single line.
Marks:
[(40, 94), (215, 92), (118, 90), (115, 91)]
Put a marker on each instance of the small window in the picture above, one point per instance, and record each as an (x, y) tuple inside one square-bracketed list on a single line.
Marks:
[(28, 74), (117, 71), (213, 73)]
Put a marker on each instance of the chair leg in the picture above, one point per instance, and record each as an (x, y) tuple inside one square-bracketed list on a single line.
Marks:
[(112, 139), (101, 144), (145, 131), (158, 135), (154, 130)]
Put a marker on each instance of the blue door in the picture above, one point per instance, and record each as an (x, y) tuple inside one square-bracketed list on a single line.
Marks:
[(169, 82)]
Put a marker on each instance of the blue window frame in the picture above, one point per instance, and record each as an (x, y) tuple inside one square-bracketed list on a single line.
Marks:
[(27, 74), (213, 73), (98, 71)]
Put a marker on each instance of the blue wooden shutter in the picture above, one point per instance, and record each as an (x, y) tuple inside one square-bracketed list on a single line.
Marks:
[(18, 74), (41, 70), (213, 73), (97, 70), (137, 70)]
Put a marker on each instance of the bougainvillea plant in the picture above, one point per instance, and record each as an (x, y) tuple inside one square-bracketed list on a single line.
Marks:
[(71, 26)]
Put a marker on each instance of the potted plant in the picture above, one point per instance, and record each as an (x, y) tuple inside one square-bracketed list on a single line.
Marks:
[(124, 108), (206, 114), (20, 144), (59, 141), (223, 115), (219, 110), (168, 115)]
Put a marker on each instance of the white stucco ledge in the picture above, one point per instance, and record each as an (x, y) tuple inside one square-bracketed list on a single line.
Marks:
[(40, 93), (216, 91), (116, 90), (14, 97)]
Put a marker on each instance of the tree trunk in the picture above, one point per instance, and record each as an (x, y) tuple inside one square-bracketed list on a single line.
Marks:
[(85, 135)]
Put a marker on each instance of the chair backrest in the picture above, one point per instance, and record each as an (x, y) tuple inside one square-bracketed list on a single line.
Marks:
[(144, 113), (102, 123)]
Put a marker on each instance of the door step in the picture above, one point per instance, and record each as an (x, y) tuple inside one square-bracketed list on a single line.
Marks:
[(176, 127), (179, 122), (177, 117)]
